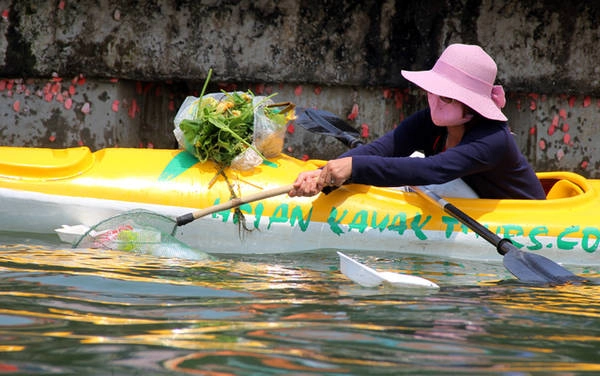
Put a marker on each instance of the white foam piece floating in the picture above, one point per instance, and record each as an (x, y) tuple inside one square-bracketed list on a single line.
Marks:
[(70, 234), (368, 277)]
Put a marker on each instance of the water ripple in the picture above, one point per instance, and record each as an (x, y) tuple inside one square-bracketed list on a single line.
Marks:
[(100, 312)]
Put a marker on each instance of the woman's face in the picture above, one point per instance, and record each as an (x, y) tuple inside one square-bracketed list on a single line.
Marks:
[(447, 112)]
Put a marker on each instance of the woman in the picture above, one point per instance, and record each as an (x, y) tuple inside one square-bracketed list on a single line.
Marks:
[(463, 134)]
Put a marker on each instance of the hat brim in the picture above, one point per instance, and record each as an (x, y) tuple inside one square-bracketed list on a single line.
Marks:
[(440, 85)]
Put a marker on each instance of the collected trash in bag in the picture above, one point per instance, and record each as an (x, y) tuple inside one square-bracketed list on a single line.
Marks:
[(236, 129)]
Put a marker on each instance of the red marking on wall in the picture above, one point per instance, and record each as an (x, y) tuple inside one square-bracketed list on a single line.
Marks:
[(532, 105), (562, 113), (587, 101), (227, 86), (17, 106), (85, 108), (305, 157), (532, 131), (399, 100), (572, 101), (61, 5), (298, 90), (364, 130), (115, 105), (68, 103), (5, 14), (553, 125), (542, 144), (565, 127), (354, 113), (566, 138), (133, 109), (291, 128), (317, 90), (259, 89), (171, 105), (387, 93), (79, 80), (584, 164)]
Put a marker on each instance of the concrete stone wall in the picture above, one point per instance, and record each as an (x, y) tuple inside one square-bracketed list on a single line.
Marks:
[(113, 73)]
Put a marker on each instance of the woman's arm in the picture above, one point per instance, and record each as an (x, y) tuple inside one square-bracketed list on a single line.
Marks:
[(480, 150)]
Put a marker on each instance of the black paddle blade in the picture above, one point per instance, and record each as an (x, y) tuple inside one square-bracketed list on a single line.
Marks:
[(327, 124), (534, 268)]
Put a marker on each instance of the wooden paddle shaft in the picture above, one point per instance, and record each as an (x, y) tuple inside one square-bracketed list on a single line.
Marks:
[(233, 203)]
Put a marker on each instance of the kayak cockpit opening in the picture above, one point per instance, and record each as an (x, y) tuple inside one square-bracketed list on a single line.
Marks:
[(563, 185)]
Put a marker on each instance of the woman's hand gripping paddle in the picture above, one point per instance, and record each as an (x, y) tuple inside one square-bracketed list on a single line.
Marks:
[(526, 266)]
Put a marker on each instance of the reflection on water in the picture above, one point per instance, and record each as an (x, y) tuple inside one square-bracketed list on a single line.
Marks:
[(91, 312)]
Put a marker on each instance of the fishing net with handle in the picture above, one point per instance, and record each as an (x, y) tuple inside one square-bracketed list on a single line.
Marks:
[(140, 231)]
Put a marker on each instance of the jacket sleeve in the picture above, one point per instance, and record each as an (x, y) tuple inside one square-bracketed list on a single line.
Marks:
[(481, 149)]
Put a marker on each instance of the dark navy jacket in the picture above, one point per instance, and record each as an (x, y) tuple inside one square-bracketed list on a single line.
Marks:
[(487, 159)]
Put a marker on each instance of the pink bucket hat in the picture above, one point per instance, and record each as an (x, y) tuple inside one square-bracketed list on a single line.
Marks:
[(465, 73)]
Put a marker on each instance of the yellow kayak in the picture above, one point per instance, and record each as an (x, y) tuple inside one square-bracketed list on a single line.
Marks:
[(42, 189)]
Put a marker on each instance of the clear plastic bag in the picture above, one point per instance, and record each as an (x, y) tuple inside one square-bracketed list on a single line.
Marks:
[(268, 133)]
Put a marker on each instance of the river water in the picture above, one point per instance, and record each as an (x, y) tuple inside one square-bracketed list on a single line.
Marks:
[(70, 311)]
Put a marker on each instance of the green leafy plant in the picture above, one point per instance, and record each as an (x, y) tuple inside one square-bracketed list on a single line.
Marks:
[(220, 130)]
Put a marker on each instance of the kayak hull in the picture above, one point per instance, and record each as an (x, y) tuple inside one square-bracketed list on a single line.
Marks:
[(42, 189)]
